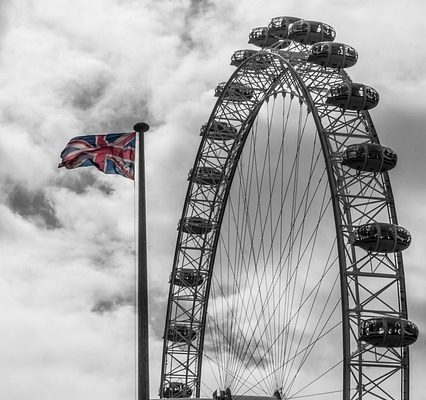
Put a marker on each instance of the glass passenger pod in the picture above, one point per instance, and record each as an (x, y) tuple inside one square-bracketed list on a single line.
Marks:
[(261, 37), (333, 55), (259, 62), (176, 390), (310, 32), (370, 157), (220, 394), (196, 225), (352, 96), (188, 277), (219, 130), (388, 332), (240, 56), (234, 92), (279, 26), (381, 237), (206, 176), (181, 334)]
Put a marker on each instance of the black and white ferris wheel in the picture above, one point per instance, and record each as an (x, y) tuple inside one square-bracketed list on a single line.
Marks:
[(288, 277)]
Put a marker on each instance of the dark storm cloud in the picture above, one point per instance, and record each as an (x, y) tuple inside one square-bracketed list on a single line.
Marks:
[(196, 10), (106, 260), (125, 112), (83, 181), (84, 94), (403, 130), (111, 304), (4, 20), (251, 352), (33, 205), (106, 189)]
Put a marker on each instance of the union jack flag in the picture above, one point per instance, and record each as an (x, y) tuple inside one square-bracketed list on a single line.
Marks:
[(113, 153)]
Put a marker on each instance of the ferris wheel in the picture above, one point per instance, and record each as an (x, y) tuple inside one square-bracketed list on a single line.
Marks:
[(288, 278)]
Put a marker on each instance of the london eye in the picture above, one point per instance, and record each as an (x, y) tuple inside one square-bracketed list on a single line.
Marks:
[(288, 276)]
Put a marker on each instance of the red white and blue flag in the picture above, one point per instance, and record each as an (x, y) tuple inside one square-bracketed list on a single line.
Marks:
[(113, 153)]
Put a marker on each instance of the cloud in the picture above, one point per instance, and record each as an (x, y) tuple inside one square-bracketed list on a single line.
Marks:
[(35, 206), (73, 352), (67, 236), (83, 181), (4, 20), (112, 303), (196, 9), (86, 86)]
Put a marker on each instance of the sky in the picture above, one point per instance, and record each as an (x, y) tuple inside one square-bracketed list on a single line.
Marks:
[(67, 238)]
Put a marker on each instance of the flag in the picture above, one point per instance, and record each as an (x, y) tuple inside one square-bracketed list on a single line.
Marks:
[(112, 153)]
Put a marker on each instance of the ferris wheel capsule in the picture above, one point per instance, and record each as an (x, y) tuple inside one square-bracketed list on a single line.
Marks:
[(388, 332), (188, 277), (279, 26), (240, 56), (196, 225), (257, 62), (176, 390), (236, 92), (333, 55), (219, 130), (370, 157), (353, 96), (261, 37), (310, 32), (206, 176), (381, 237), (220, 394), (181, 334)]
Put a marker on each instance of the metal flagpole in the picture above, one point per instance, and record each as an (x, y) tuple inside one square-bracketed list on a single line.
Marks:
[(143, 331)]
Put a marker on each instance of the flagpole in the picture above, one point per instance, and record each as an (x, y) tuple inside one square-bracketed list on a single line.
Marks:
[(143, 321)]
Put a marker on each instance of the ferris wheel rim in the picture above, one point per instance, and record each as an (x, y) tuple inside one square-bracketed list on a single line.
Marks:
[(307, 98)]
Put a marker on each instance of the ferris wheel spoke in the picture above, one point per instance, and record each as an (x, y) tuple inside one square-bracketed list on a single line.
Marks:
[(249, 388), (267, 350), (241, 314), (315, 290), (297, 395), (313, 340)]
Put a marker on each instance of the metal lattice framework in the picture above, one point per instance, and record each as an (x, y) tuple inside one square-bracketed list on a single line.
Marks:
[(371, 284)]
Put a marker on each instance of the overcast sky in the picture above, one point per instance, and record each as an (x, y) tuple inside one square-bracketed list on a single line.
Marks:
[(67, 237)]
